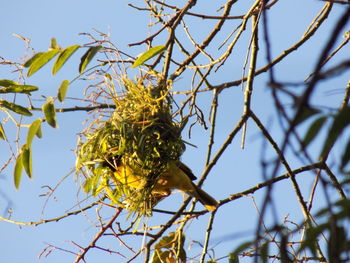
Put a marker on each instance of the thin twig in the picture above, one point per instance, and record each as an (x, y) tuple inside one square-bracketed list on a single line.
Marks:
[(98, 236), (251, 73), (207, 236), (56, 219), (325, 11), (259, 186)]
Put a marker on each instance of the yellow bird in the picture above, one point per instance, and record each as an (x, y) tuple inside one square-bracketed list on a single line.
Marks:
[(177, 176)]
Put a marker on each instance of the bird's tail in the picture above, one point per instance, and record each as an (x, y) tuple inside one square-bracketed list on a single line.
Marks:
[(208, 201)]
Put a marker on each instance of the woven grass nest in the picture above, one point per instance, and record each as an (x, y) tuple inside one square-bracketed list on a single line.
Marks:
[(141, 133)]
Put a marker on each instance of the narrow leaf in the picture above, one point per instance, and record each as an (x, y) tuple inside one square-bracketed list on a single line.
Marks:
[(18, 170), (2, 132), (27, 160), (344, 208), (167, 241), (19, 89), (50, 112), (233, 258), (33, 130), (264, 252), (341, 120), (53, 44), (63, 57), (87, 185), (234, 255), (43, 59), (346, 156), (62, 91), (148, 55), (30, 61), (314, 129), (87, 57), (311, 238), (39, 133), (15, 108), (7, 83), (160, 256), (91, 184), (306, 113)]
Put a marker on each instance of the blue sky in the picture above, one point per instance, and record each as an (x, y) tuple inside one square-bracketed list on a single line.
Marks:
[(53, 155)]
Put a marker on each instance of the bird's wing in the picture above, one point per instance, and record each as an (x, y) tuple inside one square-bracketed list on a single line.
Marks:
[(186, 170)]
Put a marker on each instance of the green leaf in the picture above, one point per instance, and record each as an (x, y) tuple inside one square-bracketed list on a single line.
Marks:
[(173, 248), (167, 241), (15, 108), (18, 170), (63, 90), (264, 251), (19, 89), (30, 61), (63, 57), (2, 132), (39, 133), (33, 130), (41, 60), (311, 238), (50, 112), (87, 57), (283, 247), (148, 55), (344, 208), (337, 243), (7, 83), (314, 129), (27, 160), (160, 256), (53, 44), (306, 113), (91, 184), (346, 156), (88, 185), (341, 120), (233, 257)]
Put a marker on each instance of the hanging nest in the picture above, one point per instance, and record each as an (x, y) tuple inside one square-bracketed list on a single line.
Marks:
[(140, 134)]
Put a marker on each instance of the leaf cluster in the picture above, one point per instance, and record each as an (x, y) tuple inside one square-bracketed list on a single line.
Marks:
[(24, 157), (7, 86)]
